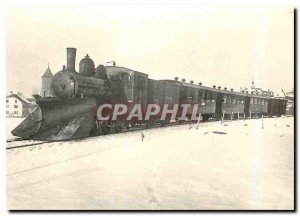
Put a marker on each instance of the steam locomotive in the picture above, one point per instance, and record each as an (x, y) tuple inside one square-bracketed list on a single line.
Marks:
[(72, 111)]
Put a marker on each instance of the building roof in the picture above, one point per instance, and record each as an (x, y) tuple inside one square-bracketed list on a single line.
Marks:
[(48, 73), (19, 97), (31, 100)]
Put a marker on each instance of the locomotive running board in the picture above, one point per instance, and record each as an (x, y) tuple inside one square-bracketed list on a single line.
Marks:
[(58, 119)]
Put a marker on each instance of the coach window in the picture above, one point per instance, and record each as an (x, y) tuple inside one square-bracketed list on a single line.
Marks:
[(242, 100), (206, 97), (262, 102), (203, 95), (214, 97), (237, 100), (251, 101), (255, 101), (210, 96), (224, 99), (195, 96), (199, 95), (233, 100)]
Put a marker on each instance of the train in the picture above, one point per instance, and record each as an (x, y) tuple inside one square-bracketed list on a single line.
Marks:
[(73, 110)]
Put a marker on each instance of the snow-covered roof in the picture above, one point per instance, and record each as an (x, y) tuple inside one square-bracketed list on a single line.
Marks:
[(19, 97), (278, 94)]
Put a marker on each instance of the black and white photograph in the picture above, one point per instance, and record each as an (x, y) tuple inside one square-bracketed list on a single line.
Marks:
[(182, 106)]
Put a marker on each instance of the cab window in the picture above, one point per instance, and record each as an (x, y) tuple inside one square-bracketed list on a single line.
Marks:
[(141, 84)]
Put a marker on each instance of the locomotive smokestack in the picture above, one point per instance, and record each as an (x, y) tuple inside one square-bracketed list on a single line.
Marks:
[(71, 58)]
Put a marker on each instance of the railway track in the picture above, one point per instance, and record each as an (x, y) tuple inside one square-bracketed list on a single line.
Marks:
[(18, 142)]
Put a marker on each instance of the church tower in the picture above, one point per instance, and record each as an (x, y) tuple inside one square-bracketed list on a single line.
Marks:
[(46, 81)]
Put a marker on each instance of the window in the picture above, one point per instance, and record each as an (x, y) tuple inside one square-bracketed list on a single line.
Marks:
[(208, 96), (214, 97), (190, 97), (262, 102), (203, 94), (7, 101), (225, 99), (168, 98), (196, 94), (255, 101), (15, 112), (199, 95), (15, 106), (7, 106), (7, 112), (234, 100), (251, 101), (141, 84), (16, 101)]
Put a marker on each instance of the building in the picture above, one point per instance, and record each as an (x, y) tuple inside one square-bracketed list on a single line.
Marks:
[(18, 106), (255, 90), (290, 102), (46, 81)]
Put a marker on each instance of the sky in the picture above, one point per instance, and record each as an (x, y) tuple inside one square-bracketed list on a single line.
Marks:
[(223, 46)]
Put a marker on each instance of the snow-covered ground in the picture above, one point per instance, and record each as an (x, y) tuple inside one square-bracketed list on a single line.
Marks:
[(237, 165)]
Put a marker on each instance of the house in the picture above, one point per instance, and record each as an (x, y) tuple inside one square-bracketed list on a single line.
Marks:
[(18, 106)]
